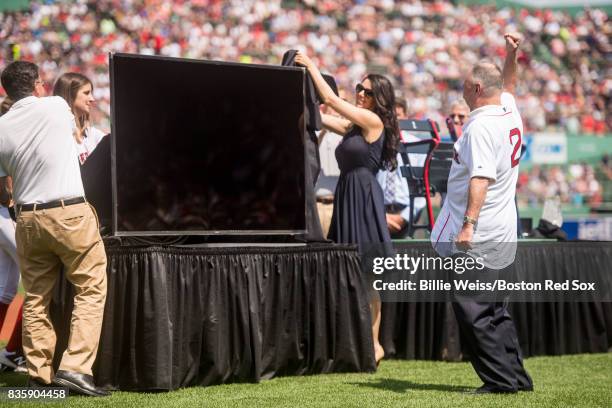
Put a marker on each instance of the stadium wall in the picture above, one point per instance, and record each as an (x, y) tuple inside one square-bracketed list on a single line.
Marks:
[(572, 7), (559, 149), (14, 5)]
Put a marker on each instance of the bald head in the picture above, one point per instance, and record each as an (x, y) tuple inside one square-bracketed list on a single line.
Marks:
[(490, 78)]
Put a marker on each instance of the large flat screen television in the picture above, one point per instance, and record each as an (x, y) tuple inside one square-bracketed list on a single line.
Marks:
[(206, 147)]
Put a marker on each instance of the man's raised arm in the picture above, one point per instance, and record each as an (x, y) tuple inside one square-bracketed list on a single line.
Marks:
[(513, 41)]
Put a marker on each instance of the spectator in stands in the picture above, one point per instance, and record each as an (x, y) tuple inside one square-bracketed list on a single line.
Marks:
[(459, 112), (401, 108), (422, 46), (77, 90), (606, 166)]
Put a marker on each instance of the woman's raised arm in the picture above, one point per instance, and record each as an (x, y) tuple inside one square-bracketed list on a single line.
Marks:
[(367, 120)]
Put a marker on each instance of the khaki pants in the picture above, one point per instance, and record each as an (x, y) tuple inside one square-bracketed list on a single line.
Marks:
[(46, 240)]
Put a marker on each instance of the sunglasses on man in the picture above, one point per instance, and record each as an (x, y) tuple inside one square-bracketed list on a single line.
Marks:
[(368, 92), (453, 115)]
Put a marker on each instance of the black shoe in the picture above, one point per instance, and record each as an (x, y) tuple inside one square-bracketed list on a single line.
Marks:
[(527, 388), (34, 383), (487, 389), (78, 383)]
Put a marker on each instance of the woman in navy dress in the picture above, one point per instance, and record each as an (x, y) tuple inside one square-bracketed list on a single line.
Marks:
[(371, 138)]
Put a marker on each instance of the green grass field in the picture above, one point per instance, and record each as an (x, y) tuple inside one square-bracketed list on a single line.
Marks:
[(567, 381)]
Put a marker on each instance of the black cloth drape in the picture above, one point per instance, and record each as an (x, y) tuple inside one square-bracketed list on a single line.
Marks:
[(176, 317), (312, 122), (429, 330)]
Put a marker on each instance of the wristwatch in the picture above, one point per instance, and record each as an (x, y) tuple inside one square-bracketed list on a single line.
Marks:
[(469, 220)]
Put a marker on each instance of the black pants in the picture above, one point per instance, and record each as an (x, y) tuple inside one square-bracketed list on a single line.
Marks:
[(489, 337)]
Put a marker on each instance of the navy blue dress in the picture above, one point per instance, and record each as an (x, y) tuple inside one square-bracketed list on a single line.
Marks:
[(359, 206)]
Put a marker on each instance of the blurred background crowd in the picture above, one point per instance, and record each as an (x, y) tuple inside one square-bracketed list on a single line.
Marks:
[(424, 46), (577, 184)]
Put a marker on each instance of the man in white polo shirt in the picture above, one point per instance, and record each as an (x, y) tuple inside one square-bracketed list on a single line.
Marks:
[(55, 227), (479, 217)]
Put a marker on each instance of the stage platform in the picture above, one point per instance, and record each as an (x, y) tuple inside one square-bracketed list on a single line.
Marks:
[(178, 317)]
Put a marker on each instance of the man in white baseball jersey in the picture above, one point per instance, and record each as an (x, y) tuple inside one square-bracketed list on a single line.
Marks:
[(479, 217)]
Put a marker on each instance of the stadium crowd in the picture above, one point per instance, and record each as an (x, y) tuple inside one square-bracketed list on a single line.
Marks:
[(566, 76), (576, 184), (423, 46)]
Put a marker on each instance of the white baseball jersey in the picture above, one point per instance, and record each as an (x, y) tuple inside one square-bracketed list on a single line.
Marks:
[(490, 147), (93, 137)]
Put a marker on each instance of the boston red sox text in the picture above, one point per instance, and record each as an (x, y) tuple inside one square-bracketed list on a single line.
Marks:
[(477, 285)]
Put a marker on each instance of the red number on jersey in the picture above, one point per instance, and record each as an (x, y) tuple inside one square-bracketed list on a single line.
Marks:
[(516, 153)]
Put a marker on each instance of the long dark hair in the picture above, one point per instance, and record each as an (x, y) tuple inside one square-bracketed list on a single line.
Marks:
[(67, 86), (384, 107)]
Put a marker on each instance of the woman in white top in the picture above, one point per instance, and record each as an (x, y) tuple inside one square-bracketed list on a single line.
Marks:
[(77, 90)]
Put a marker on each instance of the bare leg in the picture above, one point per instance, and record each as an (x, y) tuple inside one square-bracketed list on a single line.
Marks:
[(375, 309)]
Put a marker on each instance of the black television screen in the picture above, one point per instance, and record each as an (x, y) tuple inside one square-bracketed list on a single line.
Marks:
[(203, 147)]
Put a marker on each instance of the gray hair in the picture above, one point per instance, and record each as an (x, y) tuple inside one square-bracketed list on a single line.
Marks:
[(459, 103), (489, 76)]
